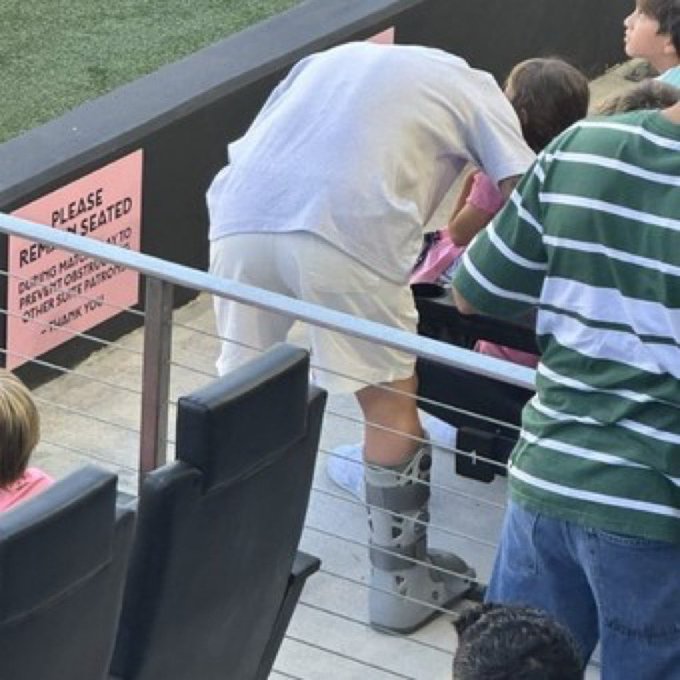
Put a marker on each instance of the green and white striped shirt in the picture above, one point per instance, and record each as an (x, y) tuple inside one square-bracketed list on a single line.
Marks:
[(592, 237)]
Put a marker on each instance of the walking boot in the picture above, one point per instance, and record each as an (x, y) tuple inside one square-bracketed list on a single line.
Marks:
[(408, 585)]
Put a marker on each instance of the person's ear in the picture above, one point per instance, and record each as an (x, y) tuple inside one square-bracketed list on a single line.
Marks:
[(669, 47)]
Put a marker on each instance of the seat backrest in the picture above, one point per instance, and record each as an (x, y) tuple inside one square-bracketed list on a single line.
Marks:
[(63, 559), (219, 528)]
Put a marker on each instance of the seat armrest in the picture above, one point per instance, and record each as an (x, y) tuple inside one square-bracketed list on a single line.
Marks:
[(304, 565)]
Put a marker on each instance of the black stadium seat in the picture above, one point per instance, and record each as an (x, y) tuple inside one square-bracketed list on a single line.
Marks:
[(215, 571), (63, 557)]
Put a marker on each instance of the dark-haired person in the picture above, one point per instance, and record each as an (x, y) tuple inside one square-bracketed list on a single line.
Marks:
[(653, 33), (591, 237), (509, 642)]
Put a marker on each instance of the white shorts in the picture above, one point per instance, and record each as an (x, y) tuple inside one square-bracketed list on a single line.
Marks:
[(304, 266)]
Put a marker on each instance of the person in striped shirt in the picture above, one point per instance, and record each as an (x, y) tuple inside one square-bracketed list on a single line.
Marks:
[(591, 237)]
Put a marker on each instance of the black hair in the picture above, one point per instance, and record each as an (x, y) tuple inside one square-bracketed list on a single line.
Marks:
[(508, 642), (667, 13)]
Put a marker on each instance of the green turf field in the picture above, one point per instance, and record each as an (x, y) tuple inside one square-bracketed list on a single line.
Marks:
[(56, 54)]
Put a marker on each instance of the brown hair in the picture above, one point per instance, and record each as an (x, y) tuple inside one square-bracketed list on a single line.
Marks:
[(19, 427), (548, 95), (667, 13), (650, 94)]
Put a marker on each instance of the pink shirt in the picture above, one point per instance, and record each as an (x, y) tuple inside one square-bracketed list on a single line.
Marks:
[(31, 483), (442, 254), (485, 195), (517, 356)]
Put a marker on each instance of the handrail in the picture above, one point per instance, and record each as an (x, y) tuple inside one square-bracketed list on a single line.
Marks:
[(305, 311)]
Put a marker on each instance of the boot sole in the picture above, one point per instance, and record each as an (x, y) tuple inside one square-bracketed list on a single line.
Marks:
[(464, 595)]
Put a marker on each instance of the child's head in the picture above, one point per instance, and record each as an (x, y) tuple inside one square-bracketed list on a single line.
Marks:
[(506, 642), (19, 427), (653, 32), (548, 95), (649, 94)]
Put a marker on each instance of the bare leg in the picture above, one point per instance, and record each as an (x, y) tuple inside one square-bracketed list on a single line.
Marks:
[(393, 409)]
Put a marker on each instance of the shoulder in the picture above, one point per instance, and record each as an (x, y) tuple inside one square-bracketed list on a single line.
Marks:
[(37, 476), (671, 76), (32, 482)]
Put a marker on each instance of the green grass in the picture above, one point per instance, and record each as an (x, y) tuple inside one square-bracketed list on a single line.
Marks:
[(56, 54)]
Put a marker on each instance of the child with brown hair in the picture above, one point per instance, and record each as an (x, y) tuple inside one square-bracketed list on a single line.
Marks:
[(19, 435), (548, 95)]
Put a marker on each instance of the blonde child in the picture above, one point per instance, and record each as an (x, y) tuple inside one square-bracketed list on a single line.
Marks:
[(19, 435)]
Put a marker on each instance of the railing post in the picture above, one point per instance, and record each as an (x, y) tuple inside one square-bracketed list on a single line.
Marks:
[(155, 375)]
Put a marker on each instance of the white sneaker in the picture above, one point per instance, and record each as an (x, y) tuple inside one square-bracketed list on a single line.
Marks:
[(345, 467), (441, 433)]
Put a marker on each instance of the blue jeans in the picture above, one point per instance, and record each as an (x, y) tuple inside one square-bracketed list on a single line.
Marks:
[(622, 590)]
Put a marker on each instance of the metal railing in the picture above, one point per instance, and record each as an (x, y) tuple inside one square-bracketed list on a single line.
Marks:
[(163, 275), (157, 364)]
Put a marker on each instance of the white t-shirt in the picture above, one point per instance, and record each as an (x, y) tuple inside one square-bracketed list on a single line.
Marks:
[(359, 144)]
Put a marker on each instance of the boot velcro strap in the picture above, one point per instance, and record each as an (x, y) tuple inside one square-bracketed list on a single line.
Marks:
[(394, 558), (397, 498)]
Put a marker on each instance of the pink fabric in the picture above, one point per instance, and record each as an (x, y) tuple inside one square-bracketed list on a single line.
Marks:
[(440, 256), (31, 483), (517, 356), (485, 195)]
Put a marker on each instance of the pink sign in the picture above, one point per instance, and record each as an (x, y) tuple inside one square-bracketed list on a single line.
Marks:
[(52, 294), (384, 38)]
